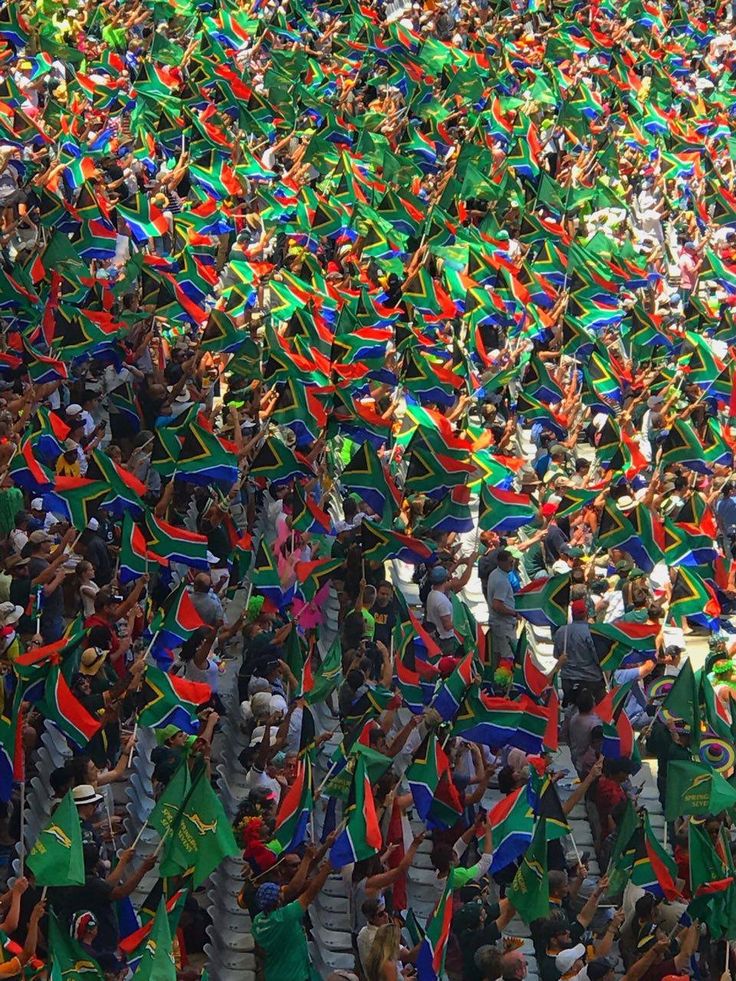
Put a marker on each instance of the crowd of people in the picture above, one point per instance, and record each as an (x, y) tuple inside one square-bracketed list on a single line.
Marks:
[(366, 391)]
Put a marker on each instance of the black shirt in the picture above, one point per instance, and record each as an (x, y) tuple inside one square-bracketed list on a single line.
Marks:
[(95, 896), (385, 617), (99, 556), (52, 603)]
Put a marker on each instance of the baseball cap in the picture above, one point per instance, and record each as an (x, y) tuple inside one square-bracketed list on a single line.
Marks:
[(39, 537), (438, 574), (74, 409), (566, 958), (573, 551), (597, 969), (37, 504), (467, 917), (578, 607)]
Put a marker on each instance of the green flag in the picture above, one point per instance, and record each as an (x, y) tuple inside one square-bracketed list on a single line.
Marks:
[(317, 685), (157, 962), (711, 882), (622, 855), (56, 858), (682, 700), (69, 960), (201, 835), (164, 815), (693, 788), (529, 892)]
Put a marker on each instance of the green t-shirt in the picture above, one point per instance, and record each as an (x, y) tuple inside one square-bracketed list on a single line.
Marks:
[(281, 936), (370, 624)]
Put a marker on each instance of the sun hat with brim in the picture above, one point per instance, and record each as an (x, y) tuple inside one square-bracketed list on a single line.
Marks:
[(15, 562), (625, 503), (85, 793), (267, 896), (10, 613), (91, 661)]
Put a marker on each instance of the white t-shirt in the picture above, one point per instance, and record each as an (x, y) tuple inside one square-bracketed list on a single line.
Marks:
[(257, 779), (439, 605)]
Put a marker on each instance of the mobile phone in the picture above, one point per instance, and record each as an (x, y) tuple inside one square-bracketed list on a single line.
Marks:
[(584, 858)]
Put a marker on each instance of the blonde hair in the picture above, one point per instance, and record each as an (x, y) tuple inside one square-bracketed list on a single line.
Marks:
[(385, 947)]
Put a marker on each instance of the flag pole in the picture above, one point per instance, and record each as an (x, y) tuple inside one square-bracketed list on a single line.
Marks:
[(161, 843), (132, 743), (318, 791), (140, 834), (109, 821)]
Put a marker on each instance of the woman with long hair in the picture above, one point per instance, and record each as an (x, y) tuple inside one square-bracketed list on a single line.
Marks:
[(382, 962)]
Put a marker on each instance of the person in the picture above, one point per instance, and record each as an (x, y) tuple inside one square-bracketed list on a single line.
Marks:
[(580, 727), (206, 601), (42, 562), (96, 553), (86, 587), (439, 614), (278, 929), (98, 895), (376, 915), (574, 647), (382, 962), (502, 615), (384, 613)]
